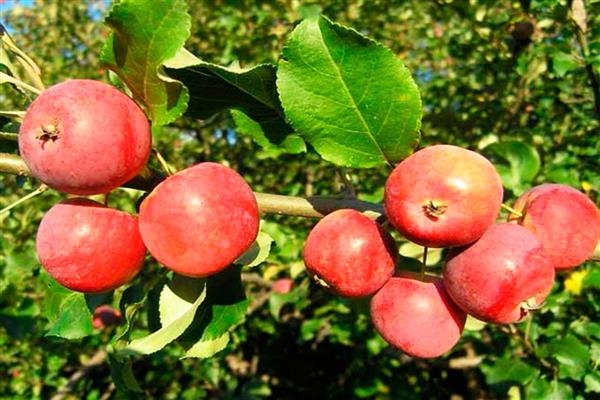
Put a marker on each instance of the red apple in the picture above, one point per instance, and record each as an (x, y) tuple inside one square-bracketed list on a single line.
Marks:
[(500, 277), (565, 221), (84, 137), (198, 221), (350, 254), (415, 314), (88, 247), (105, 316), (443, 196), (283, 285)]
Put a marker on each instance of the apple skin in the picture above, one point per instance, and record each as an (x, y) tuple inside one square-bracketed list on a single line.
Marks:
[(500, 277), (88, 247), (415, 314), (350, 254), (96, 137), (443, 196), (105, 316), (565, 221), (198, 221)]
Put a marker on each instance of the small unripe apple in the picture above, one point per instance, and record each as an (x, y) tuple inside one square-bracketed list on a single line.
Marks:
[(84, 137), (500, 277), (350, 254), (565, 221), (198, 221), (415, 314), (88, 247), (443, 196)]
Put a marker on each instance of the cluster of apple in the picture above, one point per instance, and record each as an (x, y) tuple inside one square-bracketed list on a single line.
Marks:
[(447, 197), (84, 137)]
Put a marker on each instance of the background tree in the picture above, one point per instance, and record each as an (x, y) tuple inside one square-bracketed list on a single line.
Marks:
[(516, 81)]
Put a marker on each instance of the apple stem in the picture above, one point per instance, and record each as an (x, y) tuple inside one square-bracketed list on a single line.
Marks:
[(163, 163), (512, 210), (424, 266), (23, 199)]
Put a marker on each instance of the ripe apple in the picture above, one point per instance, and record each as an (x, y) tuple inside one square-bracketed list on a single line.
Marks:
[(415, 314), (565, 221), (88, 247), (443, 196), (500, 277), (198, 221), (350, 254), (84, 137)]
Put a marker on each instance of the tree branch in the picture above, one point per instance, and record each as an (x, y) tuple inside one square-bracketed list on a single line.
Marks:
[(309, 207)]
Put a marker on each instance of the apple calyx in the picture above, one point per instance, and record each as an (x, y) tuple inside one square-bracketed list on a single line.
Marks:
[(435, 208), (320, 281), (529, 305), (48, 132)]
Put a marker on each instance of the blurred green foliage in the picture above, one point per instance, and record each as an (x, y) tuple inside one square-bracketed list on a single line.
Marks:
[(509, 79)]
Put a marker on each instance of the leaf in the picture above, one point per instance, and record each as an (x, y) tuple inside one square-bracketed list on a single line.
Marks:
[(225, 308), (350, 97), (572, 355), (258, 252), (540, 389), (66, 310), (177, 313), (592, 382), (592, 278), (563, 63), (261, 133), (509, 369), (278, 300), (517, 163), (208, 348), (146, 33), (122, 374)]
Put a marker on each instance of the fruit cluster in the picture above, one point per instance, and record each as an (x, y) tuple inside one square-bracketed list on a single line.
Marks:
[(84, 137), (446, 196)]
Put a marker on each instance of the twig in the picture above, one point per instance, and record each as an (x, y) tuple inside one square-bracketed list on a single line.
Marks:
[(97, 360), (23, 199)]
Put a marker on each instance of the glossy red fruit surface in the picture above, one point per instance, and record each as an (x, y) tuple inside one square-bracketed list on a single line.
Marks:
[(417, 316), (88, 247), (443, 196), (105, 316), (198, 221), (350, 254), (283, 285), (500, 277), (565, 221), (84, 137)]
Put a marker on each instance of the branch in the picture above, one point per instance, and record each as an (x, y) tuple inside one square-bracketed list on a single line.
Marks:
[(97, 360), (309, 207)]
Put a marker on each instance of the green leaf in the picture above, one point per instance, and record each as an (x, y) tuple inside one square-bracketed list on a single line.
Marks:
[(208, 348), (517, 163), (258, 252), (179, 302), (592, 382), (263, 133), (350, 97), (225, 308), (563, 63), (122, 373), (540, 389), (509, 369), (146, 33), (278, 300), (572, 355), (66, 310), (592, 278)]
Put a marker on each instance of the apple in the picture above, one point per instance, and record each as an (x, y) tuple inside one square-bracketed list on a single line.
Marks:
[(415, 314), (84, 137), (283, 285), (350, 254), (565, 221), (105, 316), (198, 221), (88, 247), (500, 277), (443, 196)]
